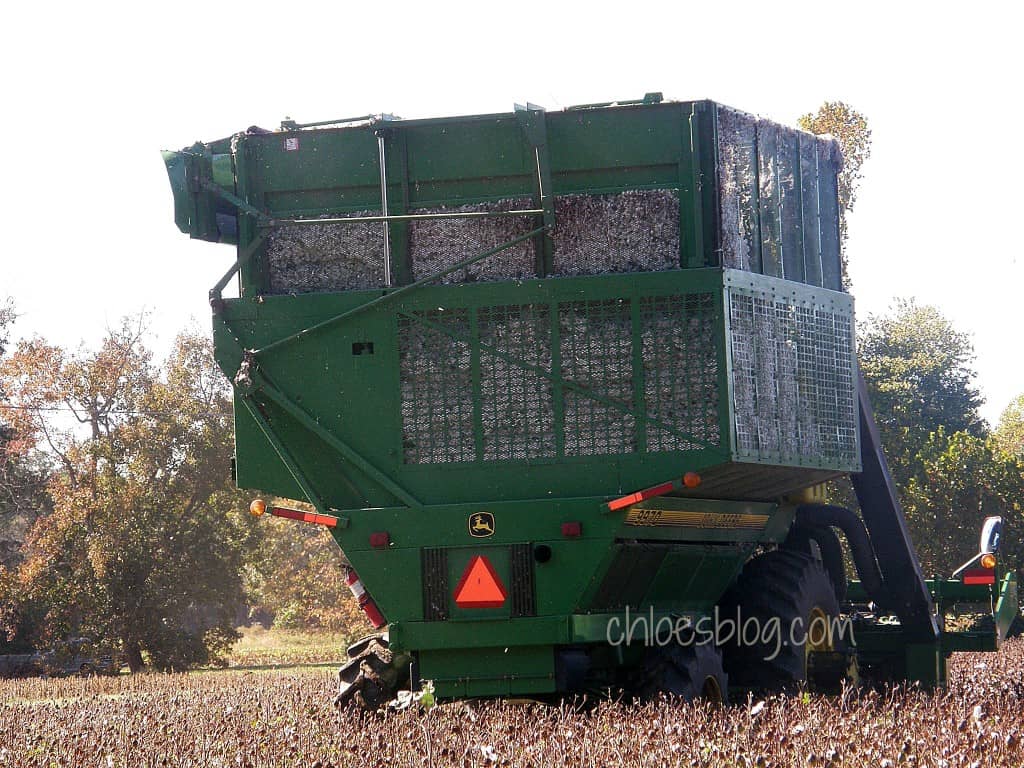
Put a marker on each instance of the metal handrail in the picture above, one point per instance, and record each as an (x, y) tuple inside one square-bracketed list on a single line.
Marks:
[(404, 217)]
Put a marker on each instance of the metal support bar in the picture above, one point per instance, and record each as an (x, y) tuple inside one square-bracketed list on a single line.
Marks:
[(890, 539), (235, 200), (384, 207), (532, 120), (243, 259), (402, 217), (329, 521), (291, 125), (691, 240), (388, 297), (350, 454)]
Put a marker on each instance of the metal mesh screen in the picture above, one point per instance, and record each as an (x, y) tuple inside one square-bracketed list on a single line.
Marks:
[(604, 345), (437, 389), (326, 257), (794, 396), (439, 243), (516, 404), (680, 358), (597, 353), (633, 231)]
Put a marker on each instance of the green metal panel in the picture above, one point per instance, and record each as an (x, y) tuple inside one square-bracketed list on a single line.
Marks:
[(1007, 604), (500, 671)]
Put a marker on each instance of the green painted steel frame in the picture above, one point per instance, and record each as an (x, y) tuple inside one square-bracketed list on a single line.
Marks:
[(886, 645), (241, 320)]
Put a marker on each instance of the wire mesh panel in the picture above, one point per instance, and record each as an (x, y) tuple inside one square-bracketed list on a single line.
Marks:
[(633, 231), (309, 258), (597, 354), (517, 407), (435, 244), (516, 420), (793, 391), (626, 376), (436, 388), (680, 358)]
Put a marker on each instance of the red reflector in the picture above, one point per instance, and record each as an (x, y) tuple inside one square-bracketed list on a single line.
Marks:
[(572, 530), (380, 540), (305, 517), (636, 498), (979, 576), (480, 586), (373, 614)]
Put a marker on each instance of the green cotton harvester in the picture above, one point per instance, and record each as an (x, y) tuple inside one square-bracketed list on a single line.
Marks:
[(565, 387)]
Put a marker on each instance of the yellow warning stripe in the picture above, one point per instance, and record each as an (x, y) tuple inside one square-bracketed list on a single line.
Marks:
[(677, 518)]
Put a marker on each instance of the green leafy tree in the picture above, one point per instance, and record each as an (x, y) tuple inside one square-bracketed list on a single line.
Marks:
[(949, 473), (1009, 435), (918, 370), (962, 480), (145, 545), (850, 128)]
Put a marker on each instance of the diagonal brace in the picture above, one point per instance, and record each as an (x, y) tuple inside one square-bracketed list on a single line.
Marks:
[(289, 461), (243, 259), (349, 453)]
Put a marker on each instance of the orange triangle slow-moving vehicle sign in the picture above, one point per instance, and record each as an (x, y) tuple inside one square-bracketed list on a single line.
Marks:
[(480, 586)]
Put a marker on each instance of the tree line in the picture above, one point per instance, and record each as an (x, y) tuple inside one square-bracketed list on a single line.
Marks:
[(119, 514)]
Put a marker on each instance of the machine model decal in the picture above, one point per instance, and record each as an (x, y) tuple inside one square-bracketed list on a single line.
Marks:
[(680, 519)]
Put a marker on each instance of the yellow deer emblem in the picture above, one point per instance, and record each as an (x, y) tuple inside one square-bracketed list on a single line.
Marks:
[(481, 524)]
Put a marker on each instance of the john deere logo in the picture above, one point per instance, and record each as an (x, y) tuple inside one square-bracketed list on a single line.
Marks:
[(481, 525)]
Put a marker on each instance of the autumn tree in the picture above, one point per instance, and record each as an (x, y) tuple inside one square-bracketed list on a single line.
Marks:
[(297, 579), (19, 477), (8, 453), (850, 128), (145, 542)]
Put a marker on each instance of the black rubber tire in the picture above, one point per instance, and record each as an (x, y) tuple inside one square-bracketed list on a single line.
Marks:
[(831, 551), (369, 679), (685, 671), (785, 585)]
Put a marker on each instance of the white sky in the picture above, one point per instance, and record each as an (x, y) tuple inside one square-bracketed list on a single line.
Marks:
[(91, 92)]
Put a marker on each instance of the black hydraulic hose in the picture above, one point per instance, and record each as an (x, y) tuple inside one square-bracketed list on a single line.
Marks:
[(800, 538), (846, 520)]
